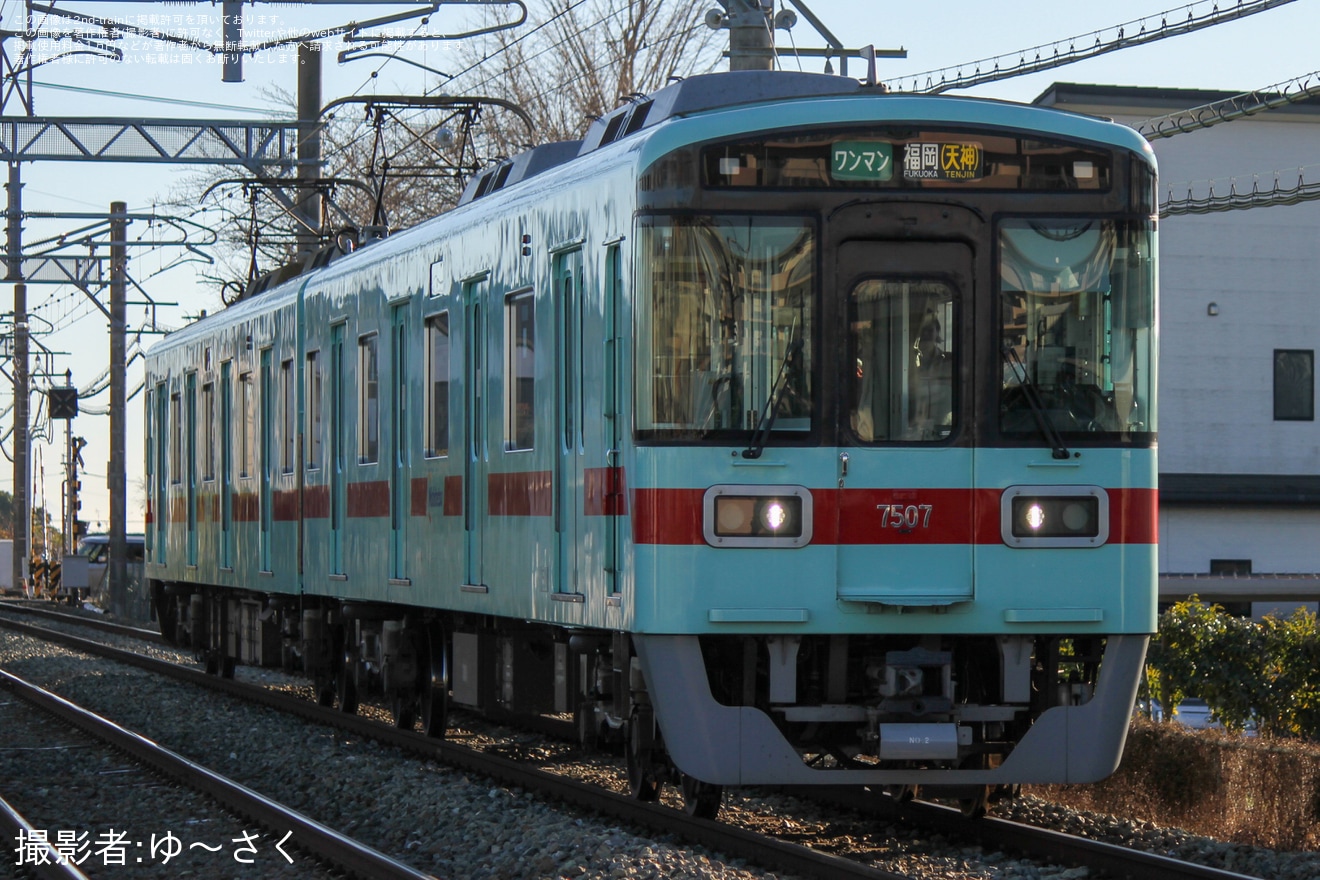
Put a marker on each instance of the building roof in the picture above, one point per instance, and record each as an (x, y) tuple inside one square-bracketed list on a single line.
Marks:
[(1148, 100)]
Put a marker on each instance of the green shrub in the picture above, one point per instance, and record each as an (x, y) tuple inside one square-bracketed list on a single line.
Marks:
[(1267, 672)]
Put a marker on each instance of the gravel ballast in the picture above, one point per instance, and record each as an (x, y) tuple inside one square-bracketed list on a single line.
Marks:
[(445, 822)]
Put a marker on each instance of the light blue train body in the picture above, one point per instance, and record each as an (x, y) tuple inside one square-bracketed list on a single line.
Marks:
[(787, 430)]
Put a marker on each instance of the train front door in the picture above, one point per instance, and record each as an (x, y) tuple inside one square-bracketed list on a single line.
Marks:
[(905, 513)]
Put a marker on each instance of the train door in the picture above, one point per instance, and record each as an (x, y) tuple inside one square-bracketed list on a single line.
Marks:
[(611, 492), (162, 399), (400, 483), (265, 451), (226, 465), (905, 505), (476, 455), (338, 492), (190, 464), (568, 419)]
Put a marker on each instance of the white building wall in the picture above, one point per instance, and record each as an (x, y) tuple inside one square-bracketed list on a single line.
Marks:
[(1276, 540), (1261, 270)]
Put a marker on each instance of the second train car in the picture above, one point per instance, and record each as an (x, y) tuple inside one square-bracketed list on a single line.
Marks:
[(780, 431)]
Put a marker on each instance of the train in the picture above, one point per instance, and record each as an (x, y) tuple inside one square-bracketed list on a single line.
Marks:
[(784, 430)]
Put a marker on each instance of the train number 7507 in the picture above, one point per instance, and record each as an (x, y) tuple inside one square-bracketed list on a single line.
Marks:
[(904, 516)]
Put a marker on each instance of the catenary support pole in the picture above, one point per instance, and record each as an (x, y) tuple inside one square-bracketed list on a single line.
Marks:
[(751, 35), (309, 147), (117, 479), (22, 382)]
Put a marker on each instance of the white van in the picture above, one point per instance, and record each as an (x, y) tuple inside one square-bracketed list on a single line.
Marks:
[(78, 579)]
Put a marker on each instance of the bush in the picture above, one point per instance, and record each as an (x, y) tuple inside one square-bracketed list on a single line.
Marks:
[(1258, 792), (1266, 672)]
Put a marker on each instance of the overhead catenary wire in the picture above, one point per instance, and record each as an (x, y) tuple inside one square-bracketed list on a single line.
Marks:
[(1293, 91), (477, 87), (1078, 48), (492, 77), (1290, 187)]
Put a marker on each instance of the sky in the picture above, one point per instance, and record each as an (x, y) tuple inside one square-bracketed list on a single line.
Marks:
[(155, 80)]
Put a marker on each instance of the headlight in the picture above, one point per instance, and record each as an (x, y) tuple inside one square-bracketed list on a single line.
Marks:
[(757, 516), (1054, 516)]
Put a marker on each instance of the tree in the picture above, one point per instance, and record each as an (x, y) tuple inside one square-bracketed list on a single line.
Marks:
[(574, 61), (582, 59)]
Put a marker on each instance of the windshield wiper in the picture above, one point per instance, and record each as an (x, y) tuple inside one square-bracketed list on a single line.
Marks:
[(1032, 394), (767, 420)]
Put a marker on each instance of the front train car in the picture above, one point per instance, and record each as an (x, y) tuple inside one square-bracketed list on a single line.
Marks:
[(894, 480)]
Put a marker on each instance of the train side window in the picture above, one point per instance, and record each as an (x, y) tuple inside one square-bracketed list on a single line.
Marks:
[(246, 423), (437, 385), (176, 438), (288, 445), (314, 410), (208, 432), (368, 399), (520, 367)]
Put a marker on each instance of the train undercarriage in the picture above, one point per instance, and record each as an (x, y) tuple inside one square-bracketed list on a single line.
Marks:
[(886, 711)]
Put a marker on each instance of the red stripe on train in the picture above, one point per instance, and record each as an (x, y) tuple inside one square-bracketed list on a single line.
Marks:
[(604, 492), (858, 516), (525, 493)]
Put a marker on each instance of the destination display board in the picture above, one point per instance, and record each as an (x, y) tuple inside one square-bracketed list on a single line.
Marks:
[(906, 159), (942, 161)]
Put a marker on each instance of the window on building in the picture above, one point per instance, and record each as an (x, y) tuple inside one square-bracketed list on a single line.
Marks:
[(368, 399), (1294, 385), (437, 385), (314, 411), (1230, 566), (520, 368)]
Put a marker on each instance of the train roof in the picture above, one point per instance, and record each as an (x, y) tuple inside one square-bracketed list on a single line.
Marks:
[(723, 104), (732, 90)]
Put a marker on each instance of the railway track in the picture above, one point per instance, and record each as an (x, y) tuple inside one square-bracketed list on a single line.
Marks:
[(775, 854), (288, 829)]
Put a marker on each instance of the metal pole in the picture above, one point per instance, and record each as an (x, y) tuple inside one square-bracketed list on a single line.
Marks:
[(117, 479), (14, 272), (309, 146), (751, 35), (232, 32), (66, 521)]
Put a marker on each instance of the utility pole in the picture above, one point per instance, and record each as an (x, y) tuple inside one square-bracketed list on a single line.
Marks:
[(70, 515), (117, 477), (22, 382), (308, 214), (751, 34)]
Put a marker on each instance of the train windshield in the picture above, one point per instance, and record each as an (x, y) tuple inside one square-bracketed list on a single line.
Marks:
[(1077, 299), (727, 303)]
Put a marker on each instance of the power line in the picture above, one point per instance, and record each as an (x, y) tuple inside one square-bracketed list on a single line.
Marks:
[(1079, 48), (343, 150), (1241, 106), (507, 46), (183, 102), (1276, 192)]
